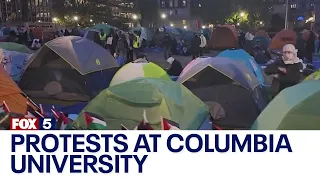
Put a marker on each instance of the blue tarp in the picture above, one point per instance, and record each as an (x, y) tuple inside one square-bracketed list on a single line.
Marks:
[(246, 59)]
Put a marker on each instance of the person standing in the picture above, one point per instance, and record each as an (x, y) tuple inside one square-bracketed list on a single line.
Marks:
[(29, 37), (203, 43), (195, 46), (167, 42), (103, 38), (310, 47), (136, 45), (122, 47), (288, 70), (114, 43), (130, 38)]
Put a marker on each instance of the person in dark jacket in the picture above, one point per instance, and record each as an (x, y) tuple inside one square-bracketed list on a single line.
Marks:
[(288, 70), (310, 47), (167, 44), (195, 46), (175, 68), (130, 47), (66, 32)]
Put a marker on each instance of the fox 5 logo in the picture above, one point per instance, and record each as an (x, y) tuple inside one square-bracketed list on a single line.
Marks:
[(32, 124)]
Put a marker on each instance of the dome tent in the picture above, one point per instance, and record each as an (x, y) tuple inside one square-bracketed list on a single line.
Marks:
[(11, 94), (243, 57), (68, 69), (295, 108), (132, 71), (126, 102), (230, 85)]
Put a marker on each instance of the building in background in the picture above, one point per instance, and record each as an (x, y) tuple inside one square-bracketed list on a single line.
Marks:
[(300, 11), (177, 13), (39, 10), (123, 11), (10, 10), (26, 10)]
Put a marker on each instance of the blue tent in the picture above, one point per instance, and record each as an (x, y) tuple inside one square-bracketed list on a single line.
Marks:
[(246, 59), (172, 30), (188, 37)]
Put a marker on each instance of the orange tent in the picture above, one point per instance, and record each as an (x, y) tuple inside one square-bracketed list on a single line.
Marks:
[(224, 37), (262, 33), (282, 38), (11, 94)]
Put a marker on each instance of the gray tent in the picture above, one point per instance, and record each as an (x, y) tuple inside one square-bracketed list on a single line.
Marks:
[(230, 90), (68, 69), (82, 54)]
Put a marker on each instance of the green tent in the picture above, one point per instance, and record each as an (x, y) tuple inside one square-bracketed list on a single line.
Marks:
[(106, 28), (10, 46), (313, 76), (126, 102), (295, 108)]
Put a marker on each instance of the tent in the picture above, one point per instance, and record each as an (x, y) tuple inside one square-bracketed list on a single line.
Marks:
[(159, 35), (126, 102), (262, 42), (10, 46), (282, 38), (14, 62), (313, 76), (224, 37), (106, 28), (132, 71), (188, 37), (243, 57), (262, 33), (230, 90), (295, 108), (11, 94), (68, 69), (191, 64), (146, 33)]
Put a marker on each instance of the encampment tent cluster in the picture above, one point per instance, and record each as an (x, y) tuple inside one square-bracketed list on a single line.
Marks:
[(81, 84)]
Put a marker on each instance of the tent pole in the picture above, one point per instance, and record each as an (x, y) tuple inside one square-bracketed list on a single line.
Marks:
[(286, 18)]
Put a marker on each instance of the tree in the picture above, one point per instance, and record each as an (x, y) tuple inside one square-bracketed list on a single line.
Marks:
[(86, 11), (214, 11)]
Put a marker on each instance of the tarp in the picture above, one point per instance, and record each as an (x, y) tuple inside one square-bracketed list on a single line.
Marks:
[(137, 70), (282, 38), (13, 62), (234, 70), (11, 94), (10, 46), (126, 102), (224, 37), (243, 57), (82, 54), (295, 108)]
